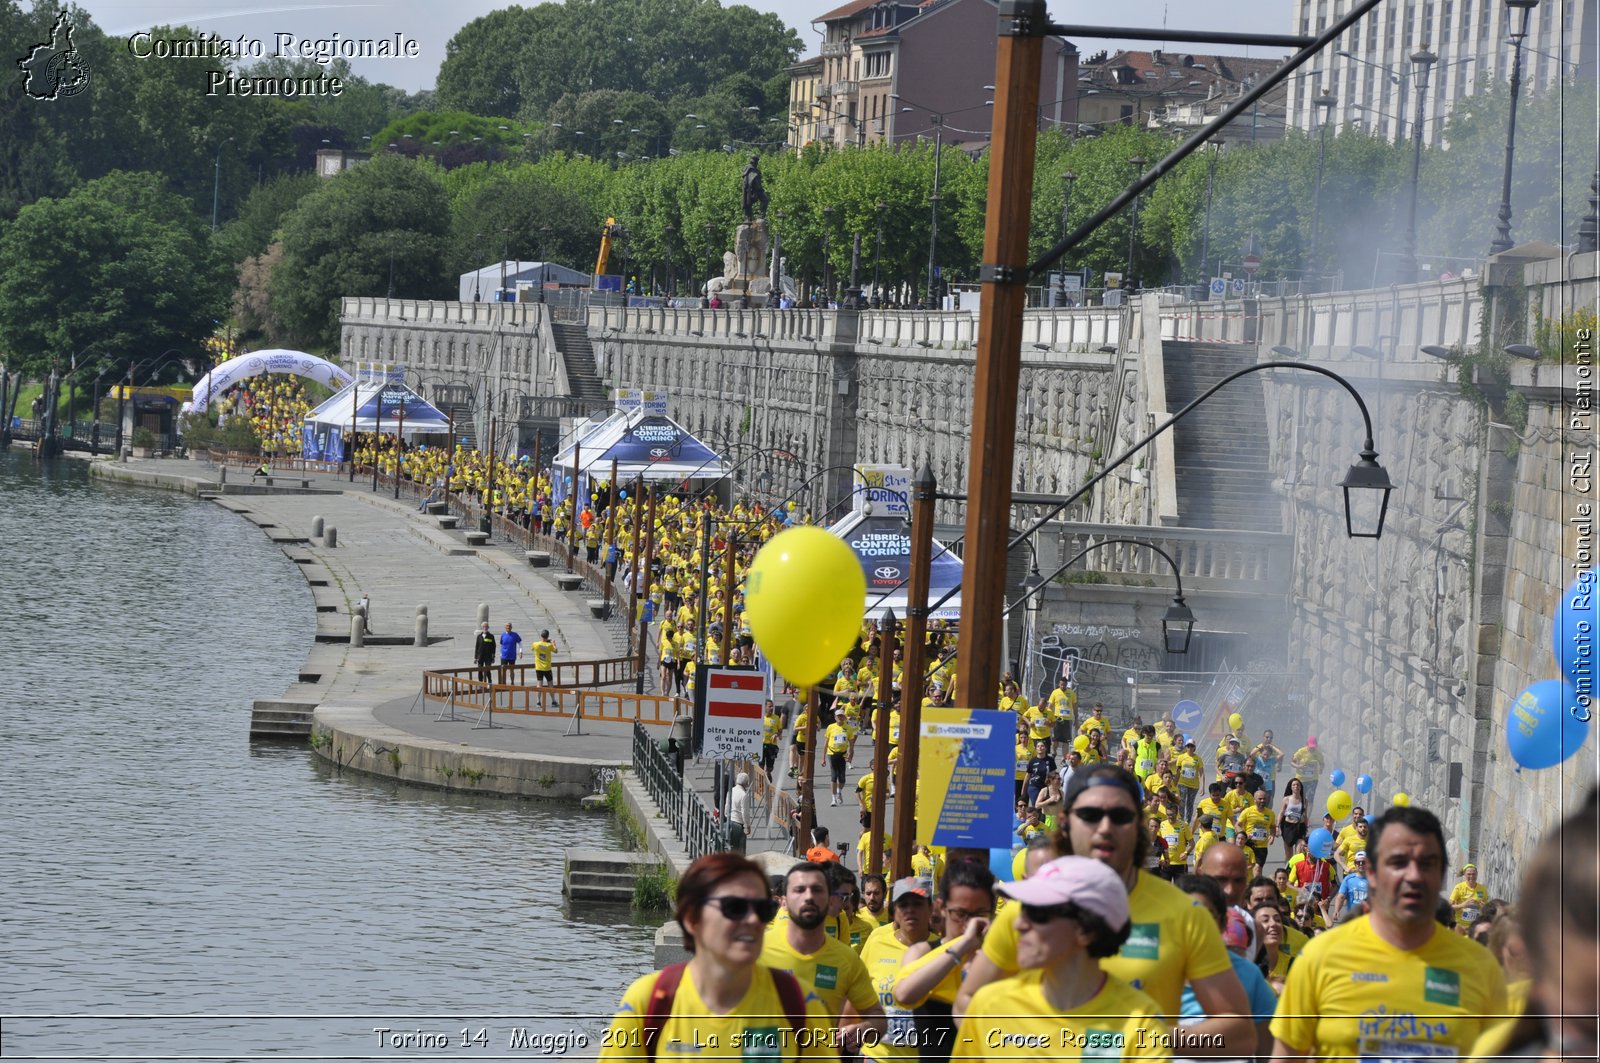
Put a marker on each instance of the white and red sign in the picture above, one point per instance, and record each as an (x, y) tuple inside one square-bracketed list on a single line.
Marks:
[(1251, 263), (735, 698)]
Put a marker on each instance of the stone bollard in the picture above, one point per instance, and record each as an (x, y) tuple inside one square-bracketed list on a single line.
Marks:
[(223, 471), (316, 527), (358, 630), (483, 612), (420, 638), (330, 536)]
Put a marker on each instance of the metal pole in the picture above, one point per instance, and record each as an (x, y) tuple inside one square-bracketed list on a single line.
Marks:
[(705, 589), (122, 408), (1502, 237), (488, 497), (355, 392), (1205, 231), (1423, 60), (572, 528), (999, 358), (1138, 164), (880, 739), (216, 181), (644, 574), (933, 233), (923, 491), (808, 776), (727, 594), (877, 260), (611, 530), (633, 554), (399, 445), (377, 430), (1325, 102)]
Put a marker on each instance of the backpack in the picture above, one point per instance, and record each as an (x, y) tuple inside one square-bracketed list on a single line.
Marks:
[(659, 1009)]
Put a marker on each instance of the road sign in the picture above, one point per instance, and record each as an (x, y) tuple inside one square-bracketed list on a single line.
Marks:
[(1186, 714), (734, 700), (1238, 286), (1219, 286), (1251, 263)]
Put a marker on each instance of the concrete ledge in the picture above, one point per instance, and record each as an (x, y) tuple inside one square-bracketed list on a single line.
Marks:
[(477, 538), (597, 607), (448, 521), (351, 738), (569, 582), (438, 509), (537, 558), (658, 835)]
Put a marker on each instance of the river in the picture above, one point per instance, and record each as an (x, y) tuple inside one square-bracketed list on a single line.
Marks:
[(172, 891)]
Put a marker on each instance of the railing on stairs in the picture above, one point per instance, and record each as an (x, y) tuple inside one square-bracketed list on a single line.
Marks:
[(700, 831)]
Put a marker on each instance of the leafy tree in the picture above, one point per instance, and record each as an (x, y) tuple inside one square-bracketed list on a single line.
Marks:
[(120, 266), (261, 215), (606, 122), (377, 226)]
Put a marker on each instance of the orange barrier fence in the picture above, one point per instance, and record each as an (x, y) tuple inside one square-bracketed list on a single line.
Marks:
[(608, 671), (450, 689)]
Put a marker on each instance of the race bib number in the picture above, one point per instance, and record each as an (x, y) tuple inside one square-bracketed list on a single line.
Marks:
[(1258, 834)]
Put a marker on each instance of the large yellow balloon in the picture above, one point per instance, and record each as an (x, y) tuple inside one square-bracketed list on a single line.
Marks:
[(1081, 743), (1235, 722), (1339, 804), (805, 595), (1401, 800)]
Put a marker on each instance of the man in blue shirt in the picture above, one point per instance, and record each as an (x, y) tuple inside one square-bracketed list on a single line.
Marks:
[(1352, 895), (510, 650)]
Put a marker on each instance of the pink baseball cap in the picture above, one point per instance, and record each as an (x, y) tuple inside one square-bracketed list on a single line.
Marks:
[(1311, 743), (1089, 884)]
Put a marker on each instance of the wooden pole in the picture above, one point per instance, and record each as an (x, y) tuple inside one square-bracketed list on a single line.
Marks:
[(923, 490), (644, 574), (808, 777), (727, 594), (880, 740), (999, 358)]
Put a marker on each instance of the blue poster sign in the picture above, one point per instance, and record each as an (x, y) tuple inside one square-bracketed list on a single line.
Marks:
[(965, 774)]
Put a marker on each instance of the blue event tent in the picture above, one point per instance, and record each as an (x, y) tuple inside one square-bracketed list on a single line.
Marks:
[(882, 544)]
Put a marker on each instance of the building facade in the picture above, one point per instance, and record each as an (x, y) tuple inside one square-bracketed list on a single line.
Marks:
[(1165, 89), (1370, 74)]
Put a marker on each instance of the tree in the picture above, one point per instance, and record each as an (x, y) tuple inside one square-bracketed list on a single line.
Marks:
[(261, 215), (120, 265), (374, 227)]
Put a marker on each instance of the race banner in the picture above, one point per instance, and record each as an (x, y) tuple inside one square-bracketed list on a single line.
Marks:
[(965, 772)]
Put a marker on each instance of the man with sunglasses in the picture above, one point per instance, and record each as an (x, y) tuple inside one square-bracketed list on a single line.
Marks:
[(824, 965), (1172, 942)]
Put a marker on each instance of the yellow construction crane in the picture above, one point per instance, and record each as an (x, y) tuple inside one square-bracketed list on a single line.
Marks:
[(612, 231)]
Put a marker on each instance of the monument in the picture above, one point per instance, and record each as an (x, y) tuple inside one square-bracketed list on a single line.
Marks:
[(745, 269)]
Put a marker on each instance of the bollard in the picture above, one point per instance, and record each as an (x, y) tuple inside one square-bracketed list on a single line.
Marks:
[(330, 536), (483, 612), (223, 469), (316, 527), (358, 630), (420, 638)]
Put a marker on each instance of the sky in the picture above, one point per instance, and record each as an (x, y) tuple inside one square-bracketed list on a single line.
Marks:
[(431, 23)]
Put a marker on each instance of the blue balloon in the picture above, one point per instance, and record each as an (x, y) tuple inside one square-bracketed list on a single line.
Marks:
[(1364, 784), (1574, 631), (1336, 777), (1546, 724), (1320, 843), (1000, 864)]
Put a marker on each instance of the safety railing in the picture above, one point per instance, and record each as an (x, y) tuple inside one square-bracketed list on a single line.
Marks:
[(459, 688), (697, 828)]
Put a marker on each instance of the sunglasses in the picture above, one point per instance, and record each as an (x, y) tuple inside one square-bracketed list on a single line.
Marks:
[(735, 909), (1121, 817), (962, 913), (1040, 914)]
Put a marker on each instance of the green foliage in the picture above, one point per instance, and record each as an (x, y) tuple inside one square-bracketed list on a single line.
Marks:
[(1569, 339), (452, 138), (118, 270), (386, 218), (654, 888), (238, 436), (261, 215), (197, 431), (143, 437)]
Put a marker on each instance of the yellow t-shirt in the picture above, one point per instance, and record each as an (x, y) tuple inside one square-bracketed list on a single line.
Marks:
[(1063, 702), (1189, 770), (771, 729), (1205, 840), (834, 972), (1011, 1019), (801, 722), (1462, 892), (759, 1017), (864, 786), (543, 652), (882, 954), (1093, 723), (1351, 994), (1256, 825), (1173, 941), (1177, 838), (838, 738), (1040, 725), (949, 985)]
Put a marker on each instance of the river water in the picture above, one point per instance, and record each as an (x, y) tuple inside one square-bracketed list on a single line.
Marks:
[(171, 891)]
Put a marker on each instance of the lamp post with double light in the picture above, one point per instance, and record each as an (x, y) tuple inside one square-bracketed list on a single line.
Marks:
[(1502, 236), (1138, 163)]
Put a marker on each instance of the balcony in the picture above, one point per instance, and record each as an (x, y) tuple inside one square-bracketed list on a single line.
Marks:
[(837, 88), (835, 49)]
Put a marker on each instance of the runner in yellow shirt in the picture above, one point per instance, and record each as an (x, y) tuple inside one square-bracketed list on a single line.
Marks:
[(1258, 825), (1190, 771), (1393, 984), (544, 652), (911, 912), (826, 966), (1468, 897), (1095, 721)]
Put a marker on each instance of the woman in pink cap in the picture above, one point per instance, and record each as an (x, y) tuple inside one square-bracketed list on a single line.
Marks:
[(1073, 913), (1308, 763)]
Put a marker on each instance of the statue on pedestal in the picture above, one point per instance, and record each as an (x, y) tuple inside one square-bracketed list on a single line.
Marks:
[(755, 193)]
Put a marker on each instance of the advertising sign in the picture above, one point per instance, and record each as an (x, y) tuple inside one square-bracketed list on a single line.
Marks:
[(887, 487), (965, 778), (734, 700), (652, 402)]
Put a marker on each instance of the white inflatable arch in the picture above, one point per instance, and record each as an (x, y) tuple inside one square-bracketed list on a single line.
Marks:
[(232, 371)]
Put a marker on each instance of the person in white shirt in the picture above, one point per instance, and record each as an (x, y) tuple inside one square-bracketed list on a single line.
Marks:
[(737, 812)]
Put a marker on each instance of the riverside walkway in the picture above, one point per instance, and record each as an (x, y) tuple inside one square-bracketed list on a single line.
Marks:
[(369, 715)]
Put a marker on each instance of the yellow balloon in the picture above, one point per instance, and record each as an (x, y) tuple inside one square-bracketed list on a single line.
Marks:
[(1401, 800), (1081, 743), (1235, 722), (1339, 804), (805, 595)]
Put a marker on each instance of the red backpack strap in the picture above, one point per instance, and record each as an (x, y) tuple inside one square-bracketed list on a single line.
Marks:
[(793, 997), (659, 1009)]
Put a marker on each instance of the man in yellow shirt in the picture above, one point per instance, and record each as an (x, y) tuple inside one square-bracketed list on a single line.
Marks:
[(911, 910), (824, 965), (1190, 771), (1178, 839), (1352, 840), (1308, 762), (1258, 825), (544, 652), (1096, 721), (1393, 984), (1063, 704)]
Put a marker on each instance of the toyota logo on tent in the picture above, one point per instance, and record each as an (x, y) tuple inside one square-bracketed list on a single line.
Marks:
[(657, 453), (887, 572)]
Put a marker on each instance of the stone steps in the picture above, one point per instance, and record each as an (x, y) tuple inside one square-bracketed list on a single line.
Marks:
[(280, 721), (600, 876), (1221, 463)]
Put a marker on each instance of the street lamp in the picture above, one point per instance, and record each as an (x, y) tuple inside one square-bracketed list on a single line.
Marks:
[(216, 180), (827, 263), (1326, 102), (1502, 236), (933, 200), (877, 258), (1067, 180), (1138, 163), (1177, 623), (1205, 231), (1422, 60)]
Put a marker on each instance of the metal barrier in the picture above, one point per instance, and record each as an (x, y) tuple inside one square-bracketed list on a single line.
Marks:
[(457, 688), (609, 671), (700, 831)]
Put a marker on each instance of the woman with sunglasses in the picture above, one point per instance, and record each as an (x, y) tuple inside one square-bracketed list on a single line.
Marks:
[(1072, 913), (1174, 943), (722, 999)]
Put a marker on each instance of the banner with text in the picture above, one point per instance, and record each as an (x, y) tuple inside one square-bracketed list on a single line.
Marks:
[(886, 487), (734, 700), (965, 773)]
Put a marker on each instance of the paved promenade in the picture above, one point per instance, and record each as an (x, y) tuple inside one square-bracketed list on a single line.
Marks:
[(400, 558)]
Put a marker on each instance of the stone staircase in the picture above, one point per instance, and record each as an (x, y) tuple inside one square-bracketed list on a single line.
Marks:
[(596, 875), (281, 721), (1223, 476), (583, 378), (465, 428)]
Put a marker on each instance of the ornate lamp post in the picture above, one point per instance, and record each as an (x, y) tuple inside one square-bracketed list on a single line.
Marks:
[(1502, 235), (1325, 104), (1423, 60), (1138, 163)]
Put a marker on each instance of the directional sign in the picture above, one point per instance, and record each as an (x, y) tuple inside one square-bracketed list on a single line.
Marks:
[(1238, 286), (1251, 263), (734, 700), (1219, 286), (1186, 714)]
